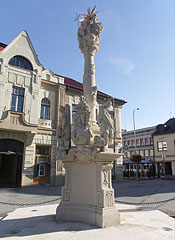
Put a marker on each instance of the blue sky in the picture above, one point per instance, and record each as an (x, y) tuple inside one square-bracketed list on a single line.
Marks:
[(136, 60)]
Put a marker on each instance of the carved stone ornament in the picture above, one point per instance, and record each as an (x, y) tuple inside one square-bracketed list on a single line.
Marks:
[(80, 154), (89, 34)]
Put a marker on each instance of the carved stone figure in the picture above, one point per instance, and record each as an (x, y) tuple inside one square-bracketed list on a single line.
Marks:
[(62, 124), (99, 144), (105, 120), (81, 133), (63, 131)]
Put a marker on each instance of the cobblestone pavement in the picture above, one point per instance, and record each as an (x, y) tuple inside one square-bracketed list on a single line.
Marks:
[(146, 191), (142, 191), (15, 197)]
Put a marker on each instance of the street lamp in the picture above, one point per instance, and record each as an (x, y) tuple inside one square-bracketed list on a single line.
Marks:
[(136, 109)]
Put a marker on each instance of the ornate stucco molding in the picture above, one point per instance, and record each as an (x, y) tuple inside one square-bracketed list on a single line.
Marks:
[(14, 121)]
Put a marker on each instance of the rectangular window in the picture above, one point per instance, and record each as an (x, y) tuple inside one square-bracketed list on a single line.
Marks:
[(151, 152), (137, 142), (146, 153), (43, 150), (132, 143), (141, 141), (74, 110), (146, 141), (162, 146), (151, 140), (17, 99)]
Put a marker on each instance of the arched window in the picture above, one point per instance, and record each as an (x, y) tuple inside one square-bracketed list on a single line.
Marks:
[(45, 109), (21, 62)]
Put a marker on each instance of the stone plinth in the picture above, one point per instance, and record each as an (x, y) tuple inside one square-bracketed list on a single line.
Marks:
[(88, 195)]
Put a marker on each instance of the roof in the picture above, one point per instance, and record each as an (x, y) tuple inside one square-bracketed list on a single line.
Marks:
[(73, 83), (146, 130), (166, 128), (2, 46)]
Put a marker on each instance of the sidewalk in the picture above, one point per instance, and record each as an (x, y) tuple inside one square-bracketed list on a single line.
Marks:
[(37, 223)]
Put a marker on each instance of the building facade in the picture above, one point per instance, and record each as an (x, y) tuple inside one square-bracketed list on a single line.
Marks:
[(30, 100), (144, 146), (164, 147)]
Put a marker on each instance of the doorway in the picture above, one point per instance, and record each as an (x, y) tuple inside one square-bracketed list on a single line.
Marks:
[(11, 159), (168, 169)]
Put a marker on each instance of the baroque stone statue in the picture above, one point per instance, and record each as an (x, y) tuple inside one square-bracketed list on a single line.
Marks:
[(81, 133), (63, 131), (105, 121)]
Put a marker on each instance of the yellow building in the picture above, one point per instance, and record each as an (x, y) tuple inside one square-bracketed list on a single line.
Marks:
[(164, 148)]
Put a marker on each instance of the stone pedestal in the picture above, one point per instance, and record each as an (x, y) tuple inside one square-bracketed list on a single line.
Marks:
[(88, 195)]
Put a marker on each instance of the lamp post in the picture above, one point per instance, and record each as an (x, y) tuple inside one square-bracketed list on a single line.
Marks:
[(136, 109), (163, 165)]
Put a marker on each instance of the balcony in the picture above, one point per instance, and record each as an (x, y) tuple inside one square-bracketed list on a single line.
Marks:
[(14, 121)]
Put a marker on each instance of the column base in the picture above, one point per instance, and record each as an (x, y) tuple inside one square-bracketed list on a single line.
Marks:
[(100, 217)]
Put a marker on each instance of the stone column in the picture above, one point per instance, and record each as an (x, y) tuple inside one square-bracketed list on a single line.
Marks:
[(88, 38), (89, 85)]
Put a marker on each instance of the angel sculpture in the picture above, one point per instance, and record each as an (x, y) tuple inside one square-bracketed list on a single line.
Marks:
[(91, 16)]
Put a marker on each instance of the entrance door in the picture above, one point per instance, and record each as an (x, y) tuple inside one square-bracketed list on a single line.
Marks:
[(11, 156), (42, 165), (168, 169)]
